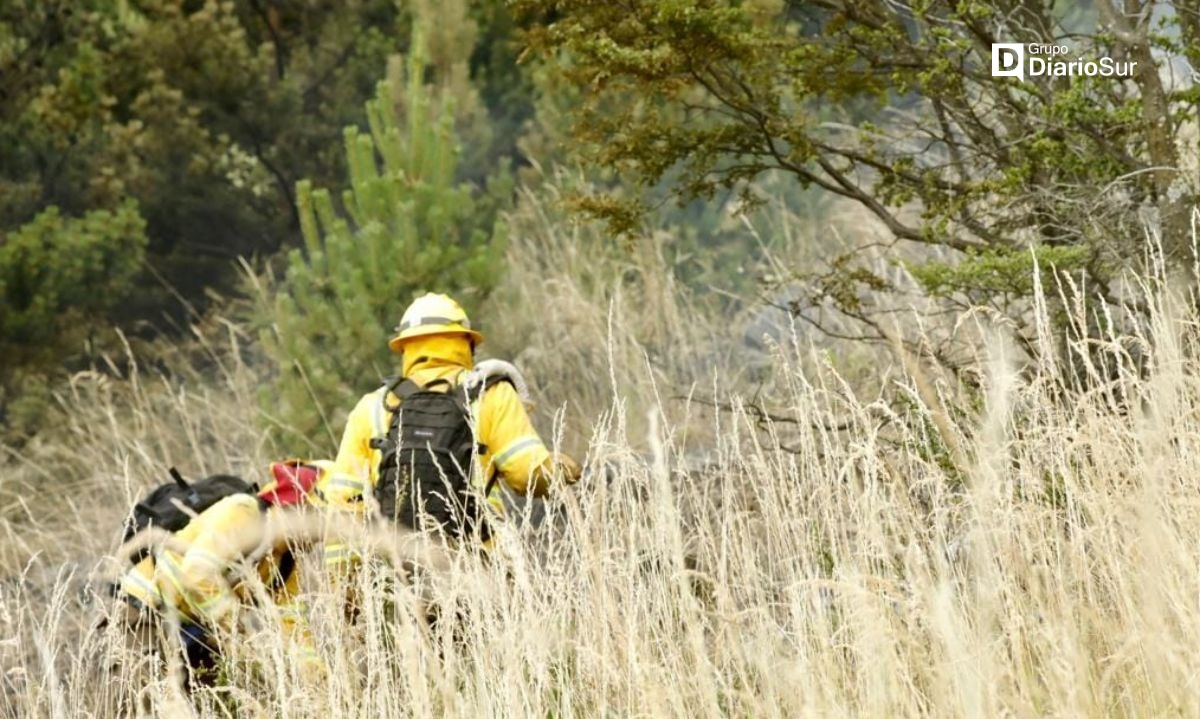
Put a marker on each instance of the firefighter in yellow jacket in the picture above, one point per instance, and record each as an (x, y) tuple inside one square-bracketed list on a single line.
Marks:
[(437, 346), (195, 574)]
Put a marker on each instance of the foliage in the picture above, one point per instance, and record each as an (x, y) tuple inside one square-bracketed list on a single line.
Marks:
[(409, 226), (59, 277), (997, 271), (892, 106), (207, 113)]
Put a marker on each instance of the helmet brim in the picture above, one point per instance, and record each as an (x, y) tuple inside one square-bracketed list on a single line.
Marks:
[(396, 344)]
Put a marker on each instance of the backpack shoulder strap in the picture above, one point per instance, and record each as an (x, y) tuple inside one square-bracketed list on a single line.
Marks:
[(407, 388), (402, 387), (389, 387), (495, 380), (476, 392)]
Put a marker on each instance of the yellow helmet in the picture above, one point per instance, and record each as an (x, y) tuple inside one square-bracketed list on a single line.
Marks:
[(432, 314)]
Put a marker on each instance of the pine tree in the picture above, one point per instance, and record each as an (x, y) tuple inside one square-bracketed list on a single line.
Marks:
[(408, 226)]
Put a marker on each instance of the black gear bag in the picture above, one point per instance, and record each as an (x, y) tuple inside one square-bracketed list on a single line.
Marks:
[(428, 454), (172, 505)]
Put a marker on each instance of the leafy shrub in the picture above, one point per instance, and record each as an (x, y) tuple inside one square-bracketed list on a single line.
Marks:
[(59, 277)]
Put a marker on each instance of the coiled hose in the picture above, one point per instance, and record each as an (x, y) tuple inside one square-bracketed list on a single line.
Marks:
[(488, 368)]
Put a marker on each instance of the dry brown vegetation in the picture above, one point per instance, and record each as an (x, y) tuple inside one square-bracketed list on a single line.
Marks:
[(919, 547)]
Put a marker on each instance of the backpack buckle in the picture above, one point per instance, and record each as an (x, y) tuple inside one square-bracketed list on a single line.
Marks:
[(383, 444)]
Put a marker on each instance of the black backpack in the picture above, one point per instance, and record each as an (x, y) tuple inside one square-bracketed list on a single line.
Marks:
[(424, 475), (172, 505)]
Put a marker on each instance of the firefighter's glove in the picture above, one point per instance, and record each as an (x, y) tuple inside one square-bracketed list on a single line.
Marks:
[(568, 468)]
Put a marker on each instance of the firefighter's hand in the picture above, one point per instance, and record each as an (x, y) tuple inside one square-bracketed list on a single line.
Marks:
[(569, 468)]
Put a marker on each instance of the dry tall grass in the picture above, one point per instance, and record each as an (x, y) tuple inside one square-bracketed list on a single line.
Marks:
[(1046, 566)]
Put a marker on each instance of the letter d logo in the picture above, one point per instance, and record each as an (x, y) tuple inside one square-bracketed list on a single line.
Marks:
[(1008, 60)]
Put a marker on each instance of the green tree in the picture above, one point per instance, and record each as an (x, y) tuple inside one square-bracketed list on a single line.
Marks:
[(207, 113), (202, 113), (59, 277), (892, 105), (409, 225)]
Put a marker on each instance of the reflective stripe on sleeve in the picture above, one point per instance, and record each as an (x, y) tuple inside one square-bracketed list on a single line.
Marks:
[(339, 553), (293, 610), (378, 428), (167, 563), (306, 651), (515, 448), (134, 584), (207, 606), (345, 481), (201, 601)]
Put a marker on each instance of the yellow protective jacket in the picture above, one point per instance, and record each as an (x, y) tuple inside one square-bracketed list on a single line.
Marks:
[(512, 450), (196, 573)]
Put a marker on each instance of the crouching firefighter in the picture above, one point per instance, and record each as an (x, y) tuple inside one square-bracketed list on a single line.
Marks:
[(192, 581), (433, 445)]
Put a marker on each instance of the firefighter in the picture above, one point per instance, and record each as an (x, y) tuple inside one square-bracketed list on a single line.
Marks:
[(426, 447), (194, 577)]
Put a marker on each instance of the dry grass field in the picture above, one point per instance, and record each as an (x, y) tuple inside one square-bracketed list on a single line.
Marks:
[(901, 547)]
